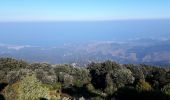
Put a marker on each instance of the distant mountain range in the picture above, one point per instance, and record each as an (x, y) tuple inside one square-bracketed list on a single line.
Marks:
[(149, 51)]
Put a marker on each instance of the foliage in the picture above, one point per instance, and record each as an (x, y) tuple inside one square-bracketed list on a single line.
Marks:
[(9, 64), (136, 70), (90, 88), (43, 66), (29, 88), (142, 85), (69, 75), (103, 80), (109, 76), (45, 77), (166, 89), (14, 76), (2, 75), (110, 88)]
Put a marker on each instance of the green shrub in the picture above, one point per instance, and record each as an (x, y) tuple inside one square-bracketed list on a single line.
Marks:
[(2, 75), (166, 89), (9, 64), (29, 88), (14, 76), (46, 78), (110, 86), (142, 85)]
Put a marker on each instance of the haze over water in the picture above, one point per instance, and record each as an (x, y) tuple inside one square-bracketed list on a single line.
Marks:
[(61, 32)]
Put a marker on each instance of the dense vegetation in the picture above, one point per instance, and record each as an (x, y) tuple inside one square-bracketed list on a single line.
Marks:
[(109, 80)]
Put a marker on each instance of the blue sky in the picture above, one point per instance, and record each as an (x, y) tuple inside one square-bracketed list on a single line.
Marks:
[(57, 10)]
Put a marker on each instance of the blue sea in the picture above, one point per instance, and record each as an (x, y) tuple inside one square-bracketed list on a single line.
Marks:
[(61, 32)]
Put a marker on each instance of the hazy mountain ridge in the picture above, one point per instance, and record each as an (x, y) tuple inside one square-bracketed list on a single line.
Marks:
[(150, 51)]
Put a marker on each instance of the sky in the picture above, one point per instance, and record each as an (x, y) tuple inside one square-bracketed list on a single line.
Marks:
[(68, 10)]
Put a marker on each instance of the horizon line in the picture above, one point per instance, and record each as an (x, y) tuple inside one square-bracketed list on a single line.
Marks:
[(98, 20)]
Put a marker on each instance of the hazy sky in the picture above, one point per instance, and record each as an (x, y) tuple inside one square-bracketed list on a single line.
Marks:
[(45, 10)]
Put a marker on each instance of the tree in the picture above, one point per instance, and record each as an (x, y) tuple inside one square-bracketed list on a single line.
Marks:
[(166, 89), (9, 64), (109, 76), (142, 85), (136, 71), (29, 88)]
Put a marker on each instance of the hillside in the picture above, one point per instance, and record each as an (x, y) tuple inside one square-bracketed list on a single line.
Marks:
[(109, 80), (148, 51)]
